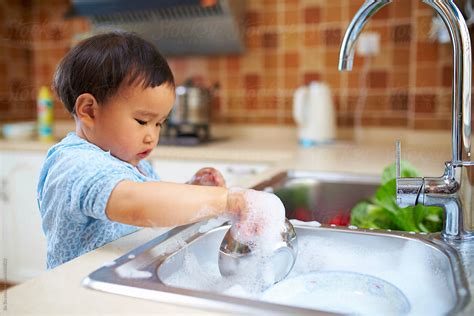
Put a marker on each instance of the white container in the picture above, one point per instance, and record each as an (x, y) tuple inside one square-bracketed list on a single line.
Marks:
[(313, 111), (19, 131)]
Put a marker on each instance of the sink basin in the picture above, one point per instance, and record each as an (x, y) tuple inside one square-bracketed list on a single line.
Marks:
[(416, 273), (319, 196)]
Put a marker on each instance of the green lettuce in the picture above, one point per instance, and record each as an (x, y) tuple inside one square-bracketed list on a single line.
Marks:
[(383, 212)]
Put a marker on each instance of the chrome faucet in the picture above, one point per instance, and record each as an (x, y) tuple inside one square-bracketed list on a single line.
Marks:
[(454, 189)]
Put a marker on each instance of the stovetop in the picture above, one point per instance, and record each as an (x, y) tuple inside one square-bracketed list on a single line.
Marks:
[(185, 134)]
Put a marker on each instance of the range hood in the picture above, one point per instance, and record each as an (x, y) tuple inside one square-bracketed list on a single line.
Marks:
[(176, 27)]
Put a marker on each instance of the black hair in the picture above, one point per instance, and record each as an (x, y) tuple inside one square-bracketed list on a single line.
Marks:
[(100, 64)]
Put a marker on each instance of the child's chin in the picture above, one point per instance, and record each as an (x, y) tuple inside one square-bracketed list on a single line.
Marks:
[(133, 162)]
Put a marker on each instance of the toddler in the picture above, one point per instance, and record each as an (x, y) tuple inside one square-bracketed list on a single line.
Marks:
[(95, 185)]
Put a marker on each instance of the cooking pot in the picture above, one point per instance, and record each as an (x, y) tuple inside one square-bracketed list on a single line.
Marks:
[(192, 105)]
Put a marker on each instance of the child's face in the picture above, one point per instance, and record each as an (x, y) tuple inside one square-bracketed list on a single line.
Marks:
[(129, 123)]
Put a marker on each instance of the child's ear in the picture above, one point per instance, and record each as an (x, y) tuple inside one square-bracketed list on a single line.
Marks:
[(86, 108)]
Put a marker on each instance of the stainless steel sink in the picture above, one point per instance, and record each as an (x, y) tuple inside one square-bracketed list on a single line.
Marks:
[(427, 271), (319, 196)]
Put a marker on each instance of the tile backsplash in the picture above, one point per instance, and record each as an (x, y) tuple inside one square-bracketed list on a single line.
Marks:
[(289, 43)]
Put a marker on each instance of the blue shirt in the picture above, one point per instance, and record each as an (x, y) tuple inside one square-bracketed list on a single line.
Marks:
[(75, 183)]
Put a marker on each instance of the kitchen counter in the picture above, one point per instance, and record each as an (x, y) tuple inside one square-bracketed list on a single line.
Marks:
[(60, 291)]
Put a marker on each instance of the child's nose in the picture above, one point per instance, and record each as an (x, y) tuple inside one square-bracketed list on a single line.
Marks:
[(150, 137)]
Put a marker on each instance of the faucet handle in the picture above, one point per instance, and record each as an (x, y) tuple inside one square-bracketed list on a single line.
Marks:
[(465, 163), (397, 159), (409, 190)]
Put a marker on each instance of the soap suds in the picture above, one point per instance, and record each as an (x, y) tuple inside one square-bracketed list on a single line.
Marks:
[(132, 273), (302, 223), (212, 223), (174, 245), (261, 227), (409, 266), (108, 264)]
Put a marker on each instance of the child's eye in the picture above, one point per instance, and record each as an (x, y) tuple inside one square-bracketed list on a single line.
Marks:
[(161, 124), (140, 122)]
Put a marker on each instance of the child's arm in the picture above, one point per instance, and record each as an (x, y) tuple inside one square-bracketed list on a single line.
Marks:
[(167, 204)]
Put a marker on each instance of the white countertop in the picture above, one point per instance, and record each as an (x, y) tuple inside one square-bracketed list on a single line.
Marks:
[(59, 291)]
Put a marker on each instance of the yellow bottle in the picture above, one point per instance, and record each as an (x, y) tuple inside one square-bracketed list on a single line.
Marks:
[(45, 115)]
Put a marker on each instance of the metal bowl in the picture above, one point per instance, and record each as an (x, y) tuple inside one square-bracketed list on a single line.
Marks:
[(236, 258)]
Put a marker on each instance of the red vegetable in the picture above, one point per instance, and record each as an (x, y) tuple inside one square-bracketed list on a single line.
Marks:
[(303, 214), (341, 219)]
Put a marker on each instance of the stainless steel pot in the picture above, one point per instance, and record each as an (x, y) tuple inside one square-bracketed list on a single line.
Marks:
[(192, 105)]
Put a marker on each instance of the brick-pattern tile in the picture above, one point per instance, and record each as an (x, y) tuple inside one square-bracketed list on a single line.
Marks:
[(427, 52), (312, 38), (426, 123), (311, 76), (401, 34), (345, 120), (382, 14), (252, 81), (270, 40), (447, 76), (399, 101), (377, 79), (401, 9), (312, 15), (401, 57), (425, 103), (253, 18), (288, 43), (332, 13), (332, 36), (400, 79), (427, 76), (292, 60)]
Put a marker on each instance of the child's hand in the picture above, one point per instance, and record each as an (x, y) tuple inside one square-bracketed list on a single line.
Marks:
[(209, 177), (250, 211)]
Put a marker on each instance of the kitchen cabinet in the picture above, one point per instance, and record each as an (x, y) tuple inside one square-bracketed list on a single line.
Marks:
[(23, 244), (182, 170)]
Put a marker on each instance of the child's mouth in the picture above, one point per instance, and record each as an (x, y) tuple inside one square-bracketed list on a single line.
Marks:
[(144, 153)]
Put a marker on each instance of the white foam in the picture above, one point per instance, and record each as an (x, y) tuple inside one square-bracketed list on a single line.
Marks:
[(174, 245), (261, 227), (302, 223), (132, 273), (206, 276), (410, 266), (108, 264), (340, 292), (212, 223)]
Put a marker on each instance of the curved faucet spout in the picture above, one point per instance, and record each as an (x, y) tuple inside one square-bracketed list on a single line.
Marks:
[(455, 189), (461, 98), (346, 55)]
